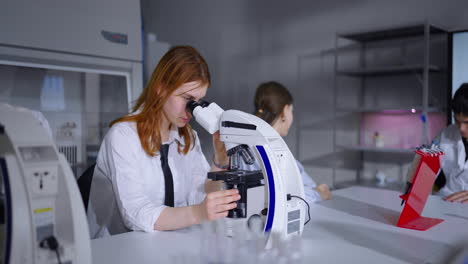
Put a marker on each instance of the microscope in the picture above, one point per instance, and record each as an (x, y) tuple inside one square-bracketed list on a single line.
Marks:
[(273, 193), (43, 218)]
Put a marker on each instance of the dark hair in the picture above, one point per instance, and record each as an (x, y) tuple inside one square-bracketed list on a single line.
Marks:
[(459, 103), (270, 100)]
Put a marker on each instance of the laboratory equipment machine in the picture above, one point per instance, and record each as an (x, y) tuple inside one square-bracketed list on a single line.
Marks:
[(43, 215)]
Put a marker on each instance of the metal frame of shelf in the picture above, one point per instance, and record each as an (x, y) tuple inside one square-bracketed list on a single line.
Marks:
[(390, 70), (400, 32), (402, 110), (375, 149)]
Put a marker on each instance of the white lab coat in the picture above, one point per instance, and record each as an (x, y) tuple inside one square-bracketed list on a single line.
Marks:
[(127, 191), (453, 164)]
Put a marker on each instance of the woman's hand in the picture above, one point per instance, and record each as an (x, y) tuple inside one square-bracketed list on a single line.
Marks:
[(460, 197), (217, 204), (213, 186), (220, 155), (324, 191)]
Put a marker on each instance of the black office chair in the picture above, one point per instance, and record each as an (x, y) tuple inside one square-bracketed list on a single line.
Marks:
[(84, 183)]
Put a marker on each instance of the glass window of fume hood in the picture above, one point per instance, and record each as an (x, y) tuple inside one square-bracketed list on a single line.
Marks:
[(78, 105)]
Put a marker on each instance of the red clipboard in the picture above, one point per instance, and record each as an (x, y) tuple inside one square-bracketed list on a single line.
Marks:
[(423, 180)]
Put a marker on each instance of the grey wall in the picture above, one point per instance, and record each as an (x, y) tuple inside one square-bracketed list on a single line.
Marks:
[(247, 42)]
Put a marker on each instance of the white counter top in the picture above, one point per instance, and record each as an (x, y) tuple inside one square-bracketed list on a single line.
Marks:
[(357, 226)]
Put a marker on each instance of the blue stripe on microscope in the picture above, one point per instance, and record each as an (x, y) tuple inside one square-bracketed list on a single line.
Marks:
[(271, 188)]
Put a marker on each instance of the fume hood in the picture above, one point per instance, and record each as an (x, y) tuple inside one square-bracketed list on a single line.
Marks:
[(77, 62)]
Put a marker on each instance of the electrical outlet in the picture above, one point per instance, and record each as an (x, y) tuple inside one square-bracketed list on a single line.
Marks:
[(43, 180)]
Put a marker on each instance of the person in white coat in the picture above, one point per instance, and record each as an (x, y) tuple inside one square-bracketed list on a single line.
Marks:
[(150, 172), (274, 104), (454, 142)]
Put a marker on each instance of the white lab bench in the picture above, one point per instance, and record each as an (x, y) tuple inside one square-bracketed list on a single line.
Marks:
[(356, 226)]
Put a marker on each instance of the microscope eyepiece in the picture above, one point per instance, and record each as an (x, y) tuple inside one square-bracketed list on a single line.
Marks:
[(191, 105), (204, 103)]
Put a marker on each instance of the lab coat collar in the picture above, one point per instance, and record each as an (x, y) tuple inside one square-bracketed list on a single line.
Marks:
[(174, 136)]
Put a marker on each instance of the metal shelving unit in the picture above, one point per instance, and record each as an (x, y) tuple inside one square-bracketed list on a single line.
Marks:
[(363, 72)]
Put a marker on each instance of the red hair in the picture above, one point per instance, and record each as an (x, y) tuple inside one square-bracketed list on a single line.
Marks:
[(179, 65)]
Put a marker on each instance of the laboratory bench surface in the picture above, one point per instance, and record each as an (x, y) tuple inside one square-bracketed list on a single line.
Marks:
[(358, 225)]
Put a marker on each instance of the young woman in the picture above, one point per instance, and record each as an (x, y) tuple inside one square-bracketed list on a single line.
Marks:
[(150, 171), (274, 104)]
